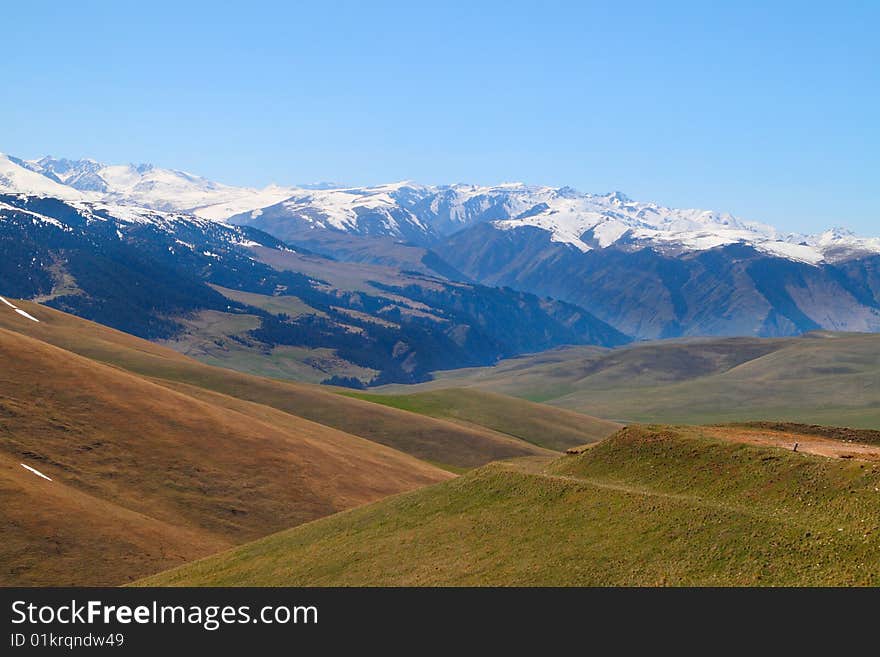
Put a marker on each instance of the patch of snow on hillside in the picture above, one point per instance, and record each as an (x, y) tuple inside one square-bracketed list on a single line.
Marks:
[(25, 314), (35, 471), (35, 216), (247, 200), (790, 251)]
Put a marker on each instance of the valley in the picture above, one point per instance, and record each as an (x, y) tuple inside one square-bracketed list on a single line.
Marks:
[(425, 385), (198, 473), (822, 378), (167, 462), (154, 459), (239, 297), (650, 506)]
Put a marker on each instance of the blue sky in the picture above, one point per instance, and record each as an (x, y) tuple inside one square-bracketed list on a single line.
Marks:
[(767, 112)]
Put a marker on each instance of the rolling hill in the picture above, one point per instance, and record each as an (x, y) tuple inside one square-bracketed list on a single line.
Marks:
[(822, 377), (439, 441), (649, 506), (140, 458), (545, 426), (129, 459)]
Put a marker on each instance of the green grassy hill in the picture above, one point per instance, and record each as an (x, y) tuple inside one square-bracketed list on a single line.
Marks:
[(545, 426), (823, 378), (649, 506)]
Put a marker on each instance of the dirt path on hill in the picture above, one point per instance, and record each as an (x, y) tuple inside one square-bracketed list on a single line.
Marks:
[(536, 467), (807, 443)]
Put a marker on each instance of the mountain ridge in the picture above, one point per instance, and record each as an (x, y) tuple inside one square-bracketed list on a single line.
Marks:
[(425, 213), (645, 270), (158, 275)]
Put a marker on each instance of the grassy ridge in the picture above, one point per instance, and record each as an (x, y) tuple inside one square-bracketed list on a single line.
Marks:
[(429, 439), (822, 378), (648, 506), (846, 434), (130, 459), (555, 429)]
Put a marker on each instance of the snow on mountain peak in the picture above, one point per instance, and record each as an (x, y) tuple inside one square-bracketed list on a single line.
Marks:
[(618, 198), (587, 221), (16, 178), (405, 209), (145, 185), (837, 233), (343, 209)]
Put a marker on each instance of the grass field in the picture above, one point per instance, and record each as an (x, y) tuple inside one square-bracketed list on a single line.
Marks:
[(649, 506), (279, 362), (542, 425), (822, 378), (276, 305)]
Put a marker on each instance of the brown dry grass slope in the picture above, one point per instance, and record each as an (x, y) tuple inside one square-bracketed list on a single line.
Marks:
[(145, 477), (55, 534), (432, 439)]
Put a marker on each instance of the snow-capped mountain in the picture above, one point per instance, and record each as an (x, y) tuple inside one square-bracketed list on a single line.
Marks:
[(83, 175), (647, 270), (585, 222), (423, 214), (155, 273), (588, 221), (36, 198), (147, 186), (381, 211), (16, 177)]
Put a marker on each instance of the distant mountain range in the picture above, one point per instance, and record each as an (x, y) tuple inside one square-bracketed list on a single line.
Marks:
[(132, 184), (426, 214), (628, 268), (245, 298)]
